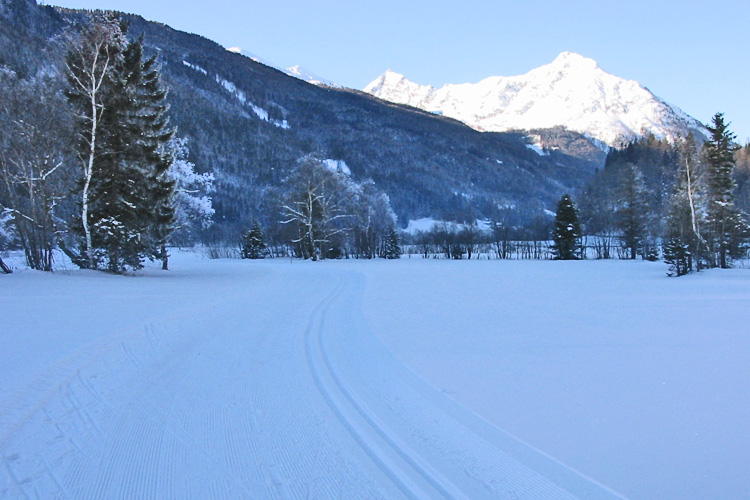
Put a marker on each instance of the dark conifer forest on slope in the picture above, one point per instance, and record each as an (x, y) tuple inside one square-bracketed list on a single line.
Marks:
[(428, 165)]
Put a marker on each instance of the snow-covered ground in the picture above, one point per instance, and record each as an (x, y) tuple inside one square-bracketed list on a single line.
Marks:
[(411, 379), (635, 379)]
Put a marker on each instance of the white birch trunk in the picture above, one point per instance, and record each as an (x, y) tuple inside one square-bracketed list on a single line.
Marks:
[(90, 84)]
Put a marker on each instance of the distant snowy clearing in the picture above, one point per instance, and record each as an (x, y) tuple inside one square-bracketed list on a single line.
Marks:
[(417, 379)]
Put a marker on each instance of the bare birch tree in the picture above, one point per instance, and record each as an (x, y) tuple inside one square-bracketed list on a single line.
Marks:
[(318, 206), (90, 62)]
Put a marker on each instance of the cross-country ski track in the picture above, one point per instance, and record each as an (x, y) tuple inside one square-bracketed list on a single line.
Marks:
[(279, 391)]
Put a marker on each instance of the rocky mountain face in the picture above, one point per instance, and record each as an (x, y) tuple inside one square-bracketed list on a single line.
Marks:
[(571, 92), (249, 123)]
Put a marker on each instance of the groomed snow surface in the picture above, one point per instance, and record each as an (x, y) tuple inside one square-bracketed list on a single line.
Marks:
[(417, 379)]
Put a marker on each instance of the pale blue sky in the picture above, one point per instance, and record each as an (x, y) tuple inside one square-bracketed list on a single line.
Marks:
[(690, 53)]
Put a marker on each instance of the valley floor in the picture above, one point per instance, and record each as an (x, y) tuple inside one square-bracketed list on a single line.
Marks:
[(412, 379)]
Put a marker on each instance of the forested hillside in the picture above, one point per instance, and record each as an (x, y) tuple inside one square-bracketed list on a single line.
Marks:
[(249, 123)]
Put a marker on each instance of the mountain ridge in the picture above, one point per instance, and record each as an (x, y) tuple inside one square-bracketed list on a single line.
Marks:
[(296, 71), (572, 91)]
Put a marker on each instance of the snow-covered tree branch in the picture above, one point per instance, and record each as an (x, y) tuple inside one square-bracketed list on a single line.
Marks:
[(193, 206)]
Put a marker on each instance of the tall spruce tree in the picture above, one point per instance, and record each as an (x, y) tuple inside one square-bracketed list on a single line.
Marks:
[(566, 234), (150, 154), (118, 213), (726, 226), (631, 210)]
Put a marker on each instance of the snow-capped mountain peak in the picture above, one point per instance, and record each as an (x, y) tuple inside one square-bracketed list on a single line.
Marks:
[(393, 86), (571, 59), (572, 91)]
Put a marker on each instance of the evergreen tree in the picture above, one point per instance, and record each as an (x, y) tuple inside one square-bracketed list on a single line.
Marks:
[(391, 247), (253, 246), (630, 214), (567, 231), (151, 156), (118, 212), (726, 226)]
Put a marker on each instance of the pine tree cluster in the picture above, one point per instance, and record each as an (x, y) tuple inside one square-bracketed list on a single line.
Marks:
[(704, 227)]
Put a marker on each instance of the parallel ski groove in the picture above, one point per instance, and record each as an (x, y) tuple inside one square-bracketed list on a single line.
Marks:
[(315, 346)]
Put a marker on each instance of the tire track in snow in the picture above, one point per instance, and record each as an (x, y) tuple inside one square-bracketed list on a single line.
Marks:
[(351, 413)]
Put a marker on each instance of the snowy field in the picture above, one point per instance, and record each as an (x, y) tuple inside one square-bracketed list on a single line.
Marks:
[(415, 379)]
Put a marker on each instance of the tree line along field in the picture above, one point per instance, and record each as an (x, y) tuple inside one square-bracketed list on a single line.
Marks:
[(683, 202)]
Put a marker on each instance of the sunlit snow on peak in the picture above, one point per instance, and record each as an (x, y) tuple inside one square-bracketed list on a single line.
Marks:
[(572, 92)]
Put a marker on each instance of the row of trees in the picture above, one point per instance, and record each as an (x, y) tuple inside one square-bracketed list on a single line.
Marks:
[(702, 226), (88, 161), (466, 241)]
